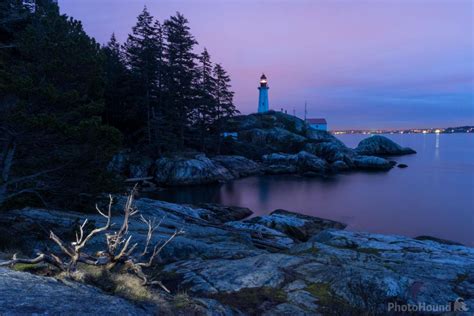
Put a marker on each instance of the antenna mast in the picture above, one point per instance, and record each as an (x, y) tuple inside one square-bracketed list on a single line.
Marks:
[(305, 110)]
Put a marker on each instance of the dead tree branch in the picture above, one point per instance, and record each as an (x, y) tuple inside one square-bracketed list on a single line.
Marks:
[(119, 250)]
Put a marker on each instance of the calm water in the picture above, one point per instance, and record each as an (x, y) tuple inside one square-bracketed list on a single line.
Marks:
[(433, 196)]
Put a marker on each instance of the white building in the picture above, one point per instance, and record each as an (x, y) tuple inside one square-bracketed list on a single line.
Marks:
[(318, 123)]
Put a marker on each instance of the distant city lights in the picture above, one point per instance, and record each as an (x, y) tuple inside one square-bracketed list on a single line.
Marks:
[(462, 129)]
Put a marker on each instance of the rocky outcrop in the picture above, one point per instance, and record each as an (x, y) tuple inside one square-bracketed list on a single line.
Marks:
[(381, 146), (340, 166), (298, 226), (141, 167), (287, 163), (341, 272), (197, 169), (27, 294), (237, 165), (331, 151), (119, 163), (182, 169), (276, 139), (224, 214), (285, 144), (275, 264), (317, 136), (372, 163), (267, 120)]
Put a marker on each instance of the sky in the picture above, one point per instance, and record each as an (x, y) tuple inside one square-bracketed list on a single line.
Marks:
[(361, 64)]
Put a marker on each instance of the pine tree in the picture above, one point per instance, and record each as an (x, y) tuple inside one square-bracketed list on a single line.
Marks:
[(118, 111), (54, 90), (206, 104), (141, 51), (224, 99), (181, 73), (161, 125)]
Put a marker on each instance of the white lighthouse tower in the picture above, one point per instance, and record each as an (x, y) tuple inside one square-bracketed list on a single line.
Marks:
[(263, 96)]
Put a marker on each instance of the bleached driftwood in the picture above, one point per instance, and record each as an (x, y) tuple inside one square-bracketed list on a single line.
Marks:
[(119, 250)]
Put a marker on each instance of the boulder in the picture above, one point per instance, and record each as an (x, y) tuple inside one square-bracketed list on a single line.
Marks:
[(381, 146), (339, 166), (27, 294), (280, 169), (239, 166), (331, 151), (311, 163), (182, 170), (279, 163), (298, 226), (302, 162), (119, 163), (372, 163), (140, 167), (402, 165)]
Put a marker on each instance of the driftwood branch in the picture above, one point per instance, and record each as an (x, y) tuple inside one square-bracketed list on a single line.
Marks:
[(133, 180), (51, 259), (119, 249)]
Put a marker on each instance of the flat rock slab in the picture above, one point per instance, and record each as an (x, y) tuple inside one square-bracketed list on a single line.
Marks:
[(341, 272), (215, 276), (297, 226), (27, 294), (223, 214)]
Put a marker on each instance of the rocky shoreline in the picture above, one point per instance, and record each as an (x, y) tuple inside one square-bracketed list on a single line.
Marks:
[(268, 143), (229, 264)]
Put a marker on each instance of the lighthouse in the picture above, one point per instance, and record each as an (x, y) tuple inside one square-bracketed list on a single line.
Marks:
[(263, 96)]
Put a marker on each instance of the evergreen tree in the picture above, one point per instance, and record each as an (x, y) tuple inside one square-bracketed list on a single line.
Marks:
[(53, 100), (116, 111), (206, 105), (180, 73), (161, 124), (224, 99), (142, 50)]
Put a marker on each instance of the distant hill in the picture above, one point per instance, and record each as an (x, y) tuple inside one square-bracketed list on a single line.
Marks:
[(460, 129)]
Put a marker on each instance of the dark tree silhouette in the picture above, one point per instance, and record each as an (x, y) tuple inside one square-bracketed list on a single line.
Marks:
[(224, 99), (180, 73)]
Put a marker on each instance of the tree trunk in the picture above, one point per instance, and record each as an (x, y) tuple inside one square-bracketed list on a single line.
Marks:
[(148, 115), (219, 129), (7, 163)]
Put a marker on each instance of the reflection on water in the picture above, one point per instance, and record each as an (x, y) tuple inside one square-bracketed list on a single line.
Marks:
[(433, 196)]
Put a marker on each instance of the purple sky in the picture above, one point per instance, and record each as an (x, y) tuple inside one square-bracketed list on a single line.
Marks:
[(359, 64)]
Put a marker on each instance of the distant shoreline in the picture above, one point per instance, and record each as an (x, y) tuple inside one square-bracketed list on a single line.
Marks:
[(449, 130)]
